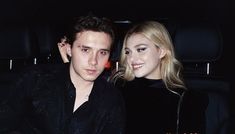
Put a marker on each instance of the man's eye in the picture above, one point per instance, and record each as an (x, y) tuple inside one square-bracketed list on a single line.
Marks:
[(85, 49), (141, 49), (104, 52)]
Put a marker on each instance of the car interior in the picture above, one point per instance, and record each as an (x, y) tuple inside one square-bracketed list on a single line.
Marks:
[(202, 34)]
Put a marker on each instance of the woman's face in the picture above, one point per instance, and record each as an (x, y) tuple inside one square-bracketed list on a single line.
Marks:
[(143, 57)]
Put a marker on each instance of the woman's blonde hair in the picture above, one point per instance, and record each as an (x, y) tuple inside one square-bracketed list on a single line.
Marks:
[(170, 67)]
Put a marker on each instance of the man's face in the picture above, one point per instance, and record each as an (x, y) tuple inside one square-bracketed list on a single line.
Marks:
[(89, 54)]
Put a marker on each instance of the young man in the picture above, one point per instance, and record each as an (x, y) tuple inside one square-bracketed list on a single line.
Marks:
[(71, 98)]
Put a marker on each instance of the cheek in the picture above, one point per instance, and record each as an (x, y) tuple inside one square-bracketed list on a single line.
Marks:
[(151, 59), (74, 52), (103, 60), (154, 56), (128, 61), (154, 63), (77, 57), (77, 60)]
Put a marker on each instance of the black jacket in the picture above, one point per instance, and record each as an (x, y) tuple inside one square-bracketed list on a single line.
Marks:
[(43, 100), (153, 109)]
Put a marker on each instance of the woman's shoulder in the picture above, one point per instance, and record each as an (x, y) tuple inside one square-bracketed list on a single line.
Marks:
[(140, 83), (197, 98)]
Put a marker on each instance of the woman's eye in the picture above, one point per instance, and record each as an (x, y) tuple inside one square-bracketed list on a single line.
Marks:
[(127, 52), (141, 49)]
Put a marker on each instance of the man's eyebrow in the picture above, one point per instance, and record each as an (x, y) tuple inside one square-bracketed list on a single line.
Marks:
[(83, 46), (108, 50), (103, 49)]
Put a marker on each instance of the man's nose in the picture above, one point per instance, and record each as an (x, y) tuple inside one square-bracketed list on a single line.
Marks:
[(93, 59)]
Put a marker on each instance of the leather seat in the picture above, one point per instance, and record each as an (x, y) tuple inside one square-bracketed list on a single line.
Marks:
[(199, 46)]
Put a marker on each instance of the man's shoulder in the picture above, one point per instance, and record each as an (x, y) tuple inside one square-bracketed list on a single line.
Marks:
[(107, 87), (42, 72), (109, 95), (43, 69), (104, 84)]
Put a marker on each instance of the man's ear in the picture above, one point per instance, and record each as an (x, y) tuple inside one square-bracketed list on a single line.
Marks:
[(69, 49), (162, 52)]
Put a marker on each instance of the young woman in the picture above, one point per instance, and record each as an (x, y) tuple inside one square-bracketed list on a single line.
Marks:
[(157, 100)]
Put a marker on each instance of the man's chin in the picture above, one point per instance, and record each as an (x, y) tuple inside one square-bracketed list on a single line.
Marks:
[(90, 78)]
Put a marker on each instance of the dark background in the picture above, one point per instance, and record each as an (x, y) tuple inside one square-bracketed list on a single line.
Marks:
[(220, 10), (57, 11)]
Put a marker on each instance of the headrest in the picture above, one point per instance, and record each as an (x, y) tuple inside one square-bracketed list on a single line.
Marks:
[(46, 38), (15, 42), (201, 42)]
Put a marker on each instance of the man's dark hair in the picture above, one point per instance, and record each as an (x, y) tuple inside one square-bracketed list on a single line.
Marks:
[(91, 23)]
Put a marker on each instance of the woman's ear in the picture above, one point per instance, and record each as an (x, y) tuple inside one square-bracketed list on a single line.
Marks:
[(162, 52), (69, 49)]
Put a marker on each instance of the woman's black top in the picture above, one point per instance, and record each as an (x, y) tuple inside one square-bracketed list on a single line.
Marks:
[(43, 102), (153, 109)]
